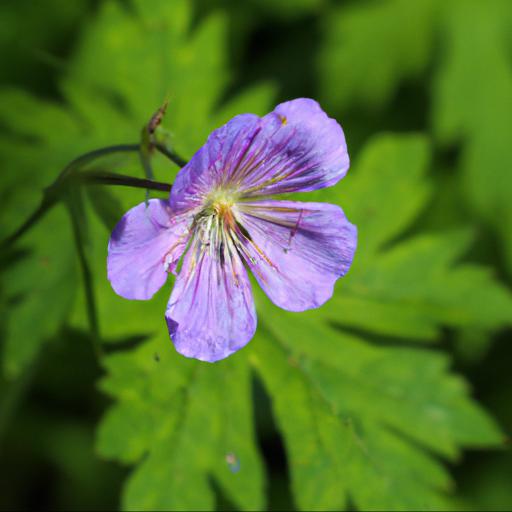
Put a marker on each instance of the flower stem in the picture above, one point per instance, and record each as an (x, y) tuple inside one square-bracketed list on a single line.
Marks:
[(53, 192), (90, 301), (93, 155), (45, 206), (171, 155), (108, 178)]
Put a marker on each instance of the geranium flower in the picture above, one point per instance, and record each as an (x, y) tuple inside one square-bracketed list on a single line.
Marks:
[(222, 216)]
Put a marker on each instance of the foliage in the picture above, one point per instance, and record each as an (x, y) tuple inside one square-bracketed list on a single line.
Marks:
[(485, 158), (363, 391)]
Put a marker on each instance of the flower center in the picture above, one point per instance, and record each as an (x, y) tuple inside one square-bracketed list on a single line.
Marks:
[(219, 205), (222, 208), (220, 197), (216, 218)]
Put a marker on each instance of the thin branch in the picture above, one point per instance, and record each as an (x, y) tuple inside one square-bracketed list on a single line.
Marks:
[(51, 195), (106, 178), (45, 206), (171, 155), (96, 153)]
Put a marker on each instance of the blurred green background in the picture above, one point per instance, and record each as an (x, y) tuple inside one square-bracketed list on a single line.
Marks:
[(396, 395)]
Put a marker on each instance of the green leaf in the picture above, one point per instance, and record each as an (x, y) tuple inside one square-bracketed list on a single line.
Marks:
[(317, 481), (364, 422), (207, 422), (396, 164), (408, 289), (352, 413), (26, 58), (40, 286), (369, 48), (143, 57), (286, 8), (123, 67), (472, 106), (106, 205)]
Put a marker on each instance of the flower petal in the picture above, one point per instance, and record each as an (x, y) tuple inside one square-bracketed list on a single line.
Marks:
[(297, 147), (297, 250), (209, 168), (211, 311), (146, 243)]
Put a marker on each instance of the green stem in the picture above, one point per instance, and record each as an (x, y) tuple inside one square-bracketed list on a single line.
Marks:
[(45, 206), (52, 193), (90, 301), (145, 160), (107, 178), (171, 155), (93, 155), (51, 197)]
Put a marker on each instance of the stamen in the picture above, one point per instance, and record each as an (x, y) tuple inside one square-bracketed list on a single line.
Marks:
[(293, 232), (220, 234)]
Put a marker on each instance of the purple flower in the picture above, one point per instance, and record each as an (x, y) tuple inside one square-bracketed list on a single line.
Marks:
[(222, 216)]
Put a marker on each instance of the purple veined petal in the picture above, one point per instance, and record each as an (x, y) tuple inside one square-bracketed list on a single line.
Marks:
[(297, 250), (145, 245), (211, 311), (297, 147), (208, 169)]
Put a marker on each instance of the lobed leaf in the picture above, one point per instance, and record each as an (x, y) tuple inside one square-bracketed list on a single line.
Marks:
[(352, 410), (472, 106), (407, 288), (369, 48), (184, 422)]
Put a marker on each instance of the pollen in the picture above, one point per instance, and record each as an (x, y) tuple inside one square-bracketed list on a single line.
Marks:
[(221, 202), (223, 211), (222, 208)]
